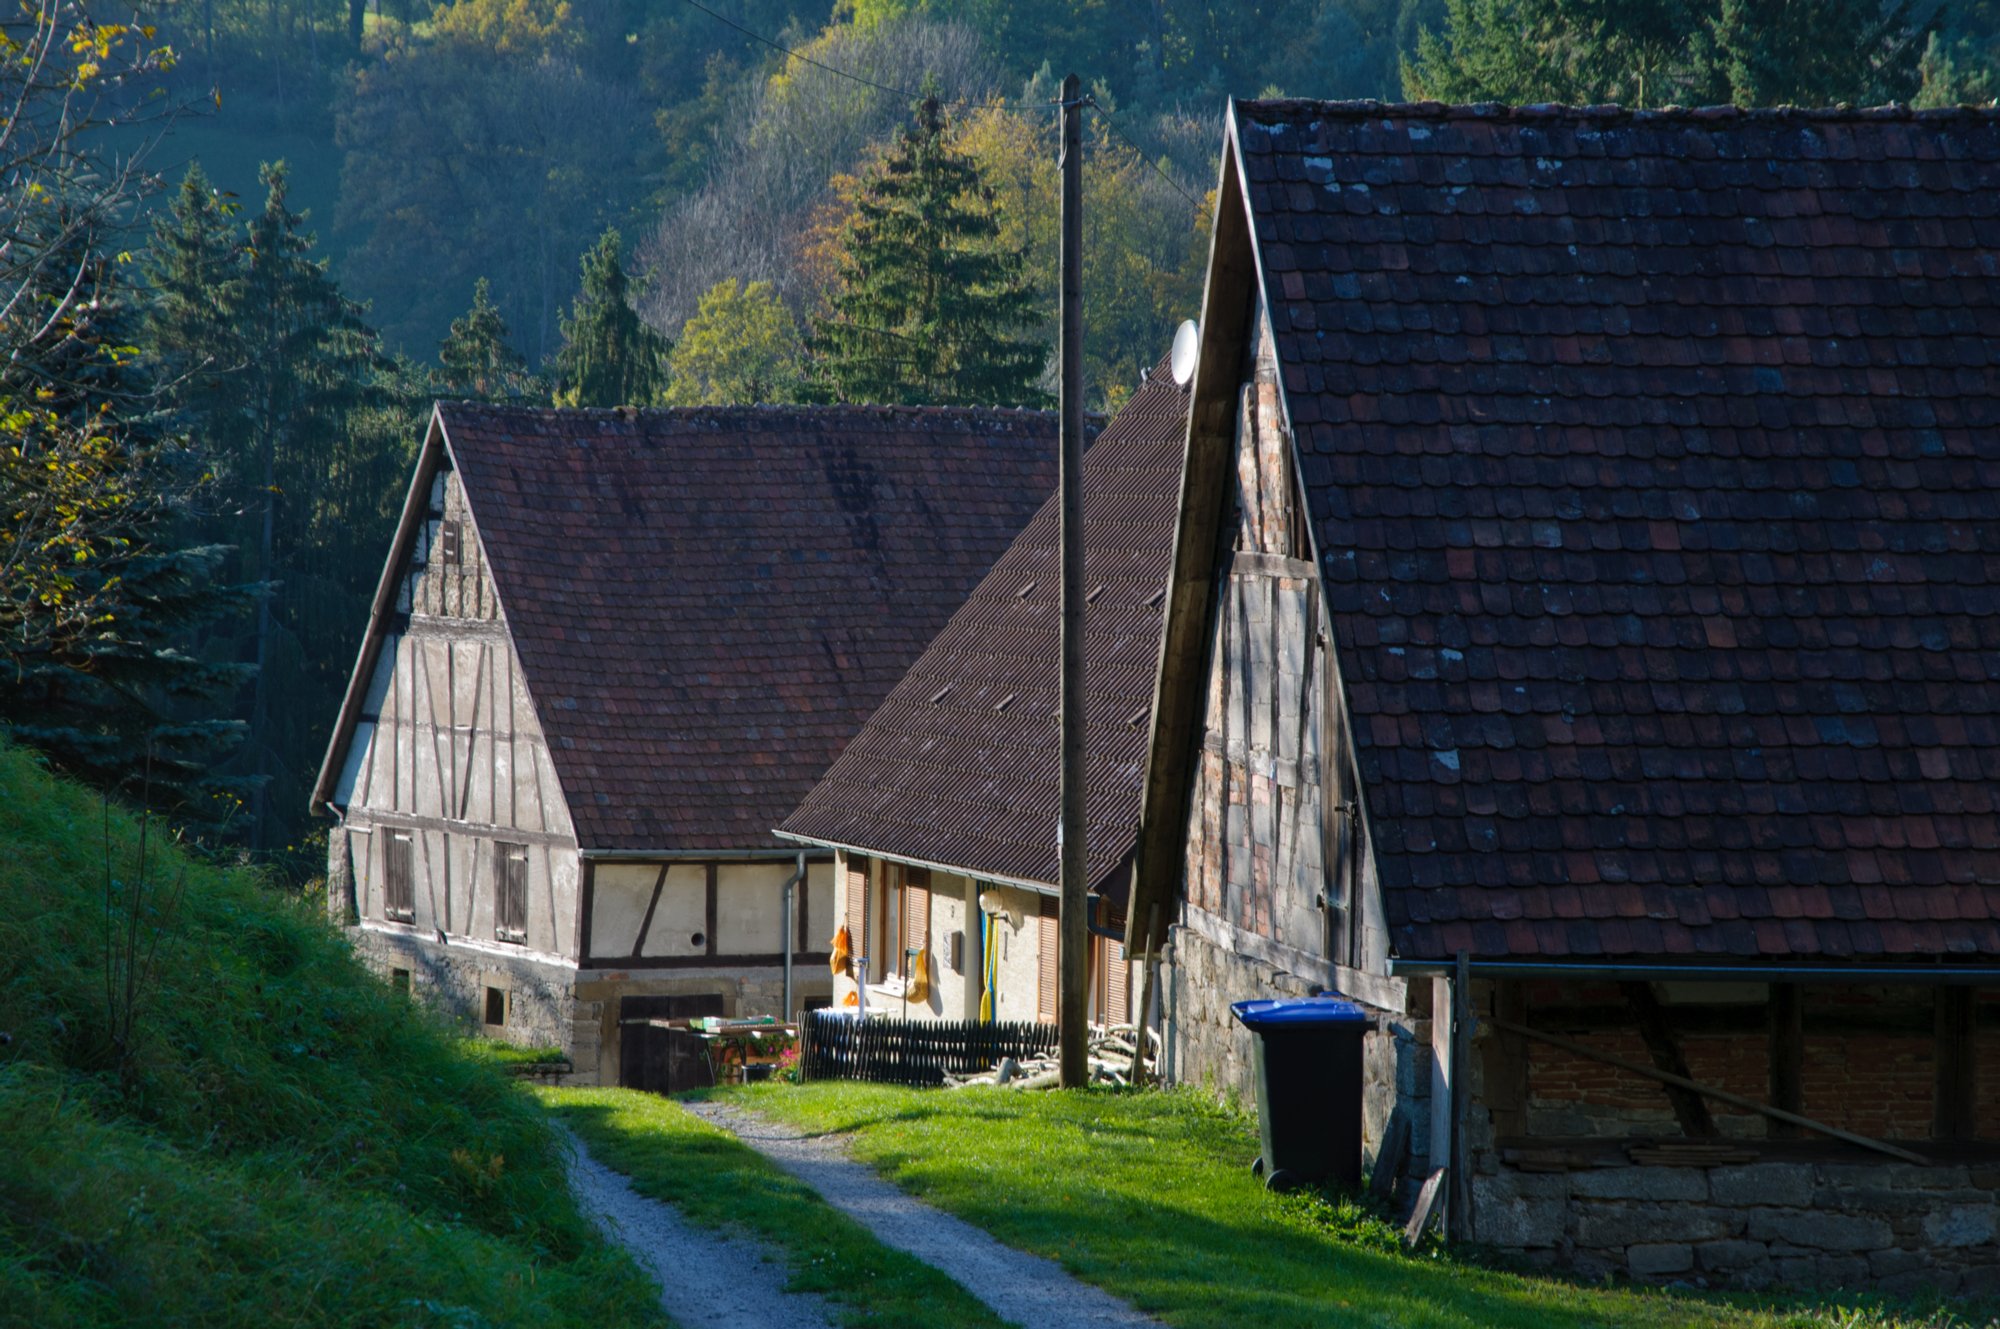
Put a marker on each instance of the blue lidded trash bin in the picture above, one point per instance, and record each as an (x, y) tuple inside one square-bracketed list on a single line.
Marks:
[(1308, 1088)]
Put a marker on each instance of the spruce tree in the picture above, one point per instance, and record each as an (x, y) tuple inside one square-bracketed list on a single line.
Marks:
[(930, 305), (609, 357), (286, 391), (475, 359)]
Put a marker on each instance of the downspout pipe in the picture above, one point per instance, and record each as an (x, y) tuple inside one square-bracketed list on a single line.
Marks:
[(1941, 975), (791, 894)]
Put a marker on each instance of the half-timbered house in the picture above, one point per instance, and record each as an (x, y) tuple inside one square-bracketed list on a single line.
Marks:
[(941, 812), (609, 652), (1583, 647)]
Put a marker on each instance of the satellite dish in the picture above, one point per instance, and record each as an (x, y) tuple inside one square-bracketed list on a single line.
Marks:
[(1187, 348)]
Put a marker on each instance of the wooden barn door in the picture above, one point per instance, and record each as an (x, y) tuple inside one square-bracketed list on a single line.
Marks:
[(663, 1061)]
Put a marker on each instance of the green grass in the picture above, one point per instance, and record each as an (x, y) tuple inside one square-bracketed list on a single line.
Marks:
[(1150, 1196), (718, 1182), (496, 1053), (289, 1143)]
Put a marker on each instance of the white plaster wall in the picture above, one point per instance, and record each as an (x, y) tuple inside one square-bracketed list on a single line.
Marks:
[(750, 907)]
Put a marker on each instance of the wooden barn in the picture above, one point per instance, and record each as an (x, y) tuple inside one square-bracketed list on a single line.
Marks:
[(940, 812), (1583, 647), (610, 651)]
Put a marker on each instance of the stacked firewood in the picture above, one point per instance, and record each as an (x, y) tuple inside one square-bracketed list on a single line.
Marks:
[(1111, 1051)]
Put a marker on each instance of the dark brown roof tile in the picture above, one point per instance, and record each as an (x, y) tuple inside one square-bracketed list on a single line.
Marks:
[(1662, 447), (708, 603)]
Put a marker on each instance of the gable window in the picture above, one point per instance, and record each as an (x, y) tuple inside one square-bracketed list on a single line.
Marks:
[(510, 909), (398, 899), (451, 546)]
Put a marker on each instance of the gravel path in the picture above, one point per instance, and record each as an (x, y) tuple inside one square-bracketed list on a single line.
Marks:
[(707, 1281), (1026, 1289)]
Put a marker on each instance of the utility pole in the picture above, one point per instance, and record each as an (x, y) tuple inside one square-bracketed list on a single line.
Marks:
[(1072, 1008)]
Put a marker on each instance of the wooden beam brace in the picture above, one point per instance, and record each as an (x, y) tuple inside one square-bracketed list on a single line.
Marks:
[(1689, 1109), (1720, 1095)]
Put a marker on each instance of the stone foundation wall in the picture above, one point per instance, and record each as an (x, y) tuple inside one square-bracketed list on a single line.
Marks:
[(541, 1007), (1207, 1046), (1894, 1227), (552, 1005)]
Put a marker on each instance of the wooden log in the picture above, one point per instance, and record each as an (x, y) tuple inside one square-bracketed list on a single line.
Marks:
[(1389, 1158), (1720, 1095)]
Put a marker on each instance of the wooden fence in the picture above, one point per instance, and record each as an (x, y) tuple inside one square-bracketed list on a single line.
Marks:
[(912, 1052)]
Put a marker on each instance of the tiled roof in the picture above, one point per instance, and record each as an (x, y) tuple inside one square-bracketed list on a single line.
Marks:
[(708, 603), (959, 766), (1654, 464)]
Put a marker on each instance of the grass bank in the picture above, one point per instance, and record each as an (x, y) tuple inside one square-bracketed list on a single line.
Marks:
[(719, 1182), (1150, 1197), (277, 1139)]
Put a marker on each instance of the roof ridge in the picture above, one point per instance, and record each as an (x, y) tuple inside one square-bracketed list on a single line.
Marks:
[(769, 409), (1613, 112)]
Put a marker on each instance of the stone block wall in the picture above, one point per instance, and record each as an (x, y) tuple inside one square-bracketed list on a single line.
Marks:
[(540, 1003), (1890, 1226), (1207, 1046)]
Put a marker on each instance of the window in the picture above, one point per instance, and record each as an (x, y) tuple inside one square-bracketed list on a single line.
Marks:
[(399, 981), (450, 543), (1048, 970), (398, 901), (496, 1006), (856, 913), (914, 908), (510, 904)]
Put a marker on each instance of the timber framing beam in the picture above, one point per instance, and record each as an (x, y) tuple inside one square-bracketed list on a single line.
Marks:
[(1651, 1019)]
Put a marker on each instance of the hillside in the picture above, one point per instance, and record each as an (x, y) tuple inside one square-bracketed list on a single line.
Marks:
[(285, 1142)]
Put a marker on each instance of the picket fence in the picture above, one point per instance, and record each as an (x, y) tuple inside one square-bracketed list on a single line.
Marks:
[(912, 1052)]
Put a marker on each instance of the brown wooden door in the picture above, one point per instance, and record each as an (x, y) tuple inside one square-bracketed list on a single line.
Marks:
[(664, 1061)]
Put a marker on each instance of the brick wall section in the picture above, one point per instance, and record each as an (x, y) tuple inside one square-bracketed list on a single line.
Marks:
[(1784, 1220)]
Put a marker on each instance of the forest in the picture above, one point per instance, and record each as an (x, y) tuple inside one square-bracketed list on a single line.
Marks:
[(249, 241)]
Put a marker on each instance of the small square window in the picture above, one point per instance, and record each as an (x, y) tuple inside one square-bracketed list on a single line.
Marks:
[(496, 1006), (451, 543)]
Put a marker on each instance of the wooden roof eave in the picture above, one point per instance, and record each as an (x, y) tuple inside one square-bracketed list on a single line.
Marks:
[(415, 503), (1227, 303)]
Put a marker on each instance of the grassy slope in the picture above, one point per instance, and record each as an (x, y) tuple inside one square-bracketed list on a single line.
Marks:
[(290, 1144), (718, 1182), (1150, 1196)]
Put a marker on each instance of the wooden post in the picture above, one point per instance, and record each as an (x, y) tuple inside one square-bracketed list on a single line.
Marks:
[(1072, 1012), (1957, 1102), (1140, 1038), (1788, 1057), (1458, 1208)]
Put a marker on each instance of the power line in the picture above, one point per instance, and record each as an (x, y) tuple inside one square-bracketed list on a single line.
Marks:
[(1158, 170), (786, 50), (1088, 100)]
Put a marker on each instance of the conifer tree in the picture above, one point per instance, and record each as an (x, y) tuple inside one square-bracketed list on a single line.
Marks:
[(609, 357), (930, 306), (475, 359), (286, 391)]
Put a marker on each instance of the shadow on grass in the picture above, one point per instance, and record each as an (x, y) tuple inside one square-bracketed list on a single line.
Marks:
[(1150, 1197), (716, 1181)]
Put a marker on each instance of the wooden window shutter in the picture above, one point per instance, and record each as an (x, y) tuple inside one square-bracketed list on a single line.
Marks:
[(856, 916), (451, 540), (510, 904), (398, 899), (1048, 970), (1117, 1004), (916, 912)]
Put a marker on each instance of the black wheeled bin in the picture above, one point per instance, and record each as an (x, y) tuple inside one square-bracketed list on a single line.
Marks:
[(1308, 1088)]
